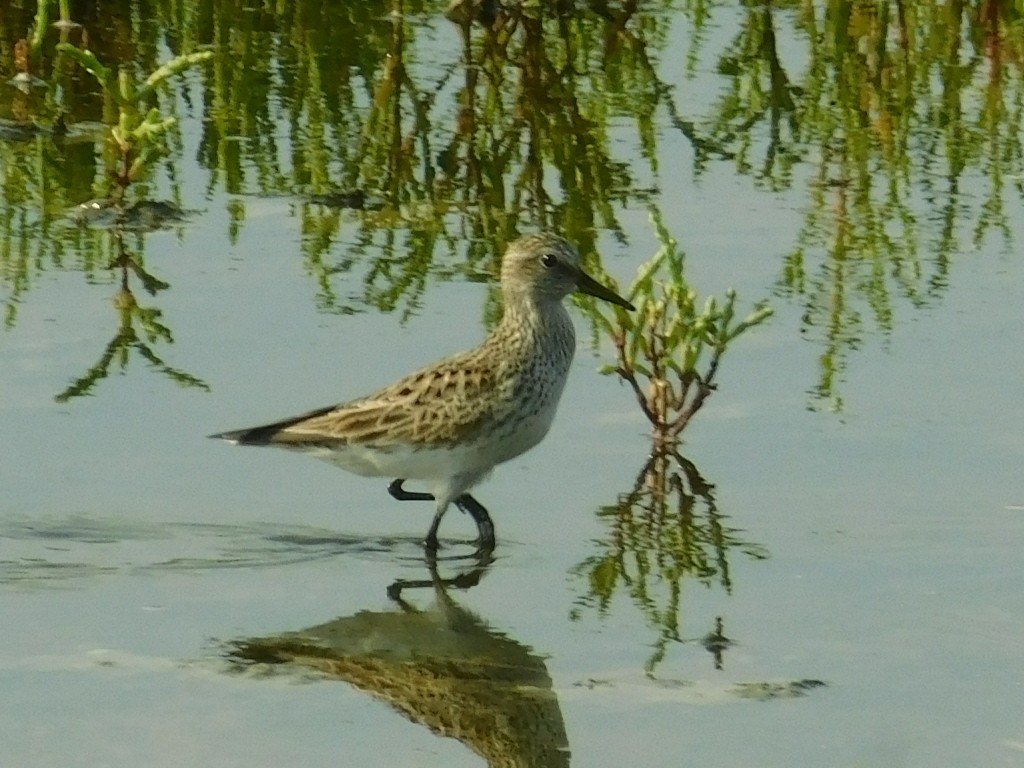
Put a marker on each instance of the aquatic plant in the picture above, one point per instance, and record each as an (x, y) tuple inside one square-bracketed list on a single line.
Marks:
[(669, 350), (139, 135)]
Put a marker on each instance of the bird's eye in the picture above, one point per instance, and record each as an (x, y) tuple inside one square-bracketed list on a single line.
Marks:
[(548, 260)]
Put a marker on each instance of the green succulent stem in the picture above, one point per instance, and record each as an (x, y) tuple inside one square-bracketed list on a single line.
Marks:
[(669, 350), (140, 131)]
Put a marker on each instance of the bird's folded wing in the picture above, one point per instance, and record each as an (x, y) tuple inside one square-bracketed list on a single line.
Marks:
[(436, 405)]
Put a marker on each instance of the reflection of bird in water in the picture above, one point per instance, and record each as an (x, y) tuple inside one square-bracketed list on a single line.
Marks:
[(451, 423), (443, 668)]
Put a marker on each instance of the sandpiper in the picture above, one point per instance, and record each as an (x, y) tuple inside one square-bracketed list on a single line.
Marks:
[(450, 423)]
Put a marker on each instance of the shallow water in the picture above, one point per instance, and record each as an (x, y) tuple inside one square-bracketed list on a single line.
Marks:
[(170, 600)]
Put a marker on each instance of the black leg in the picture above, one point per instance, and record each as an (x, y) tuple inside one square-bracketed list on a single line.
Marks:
[(396, 490), (484, 526), (430, 543), (465, 502)]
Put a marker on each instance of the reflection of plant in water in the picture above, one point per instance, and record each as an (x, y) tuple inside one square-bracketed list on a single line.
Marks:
[(666, 529), (454, 133), (39, 174), (139, 329), (47, 172), (49, 160), (893, 115), (446, 137)]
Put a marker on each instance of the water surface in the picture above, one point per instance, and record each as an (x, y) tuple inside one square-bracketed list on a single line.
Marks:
[(169, 600)]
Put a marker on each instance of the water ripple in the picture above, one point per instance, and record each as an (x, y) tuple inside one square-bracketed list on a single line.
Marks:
[(59, 552)]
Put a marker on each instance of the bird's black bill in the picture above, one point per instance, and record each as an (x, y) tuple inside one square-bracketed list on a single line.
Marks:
[(586, 284)]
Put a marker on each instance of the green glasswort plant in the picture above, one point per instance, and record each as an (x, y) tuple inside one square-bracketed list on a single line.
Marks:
[(671, 344), (139, 135)]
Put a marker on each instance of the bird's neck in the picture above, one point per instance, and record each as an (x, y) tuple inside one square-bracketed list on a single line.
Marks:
[(529, 322)]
